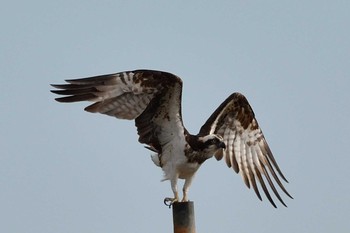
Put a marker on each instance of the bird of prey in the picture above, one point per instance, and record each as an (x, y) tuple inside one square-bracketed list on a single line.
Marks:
[(153, 99)]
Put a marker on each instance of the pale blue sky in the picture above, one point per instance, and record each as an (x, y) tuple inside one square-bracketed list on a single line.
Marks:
[(65, 170)]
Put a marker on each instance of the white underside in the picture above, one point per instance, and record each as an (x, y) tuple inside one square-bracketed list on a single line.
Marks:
[(174, 164)]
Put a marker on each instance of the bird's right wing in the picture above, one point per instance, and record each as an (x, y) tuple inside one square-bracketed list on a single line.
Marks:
[(148, 96)]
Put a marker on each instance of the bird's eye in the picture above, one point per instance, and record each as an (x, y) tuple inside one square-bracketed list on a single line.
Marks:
[(214, 141)]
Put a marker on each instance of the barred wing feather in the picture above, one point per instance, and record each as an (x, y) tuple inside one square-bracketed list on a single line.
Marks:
[(247, 151)]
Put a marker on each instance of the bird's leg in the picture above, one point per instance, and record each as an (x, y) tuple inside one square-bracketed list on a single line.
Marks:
[(185, 188), (168, 201)]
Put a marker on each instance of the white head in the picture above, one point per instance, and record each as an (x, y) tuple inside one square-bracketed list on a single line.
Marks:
[(211, 143)]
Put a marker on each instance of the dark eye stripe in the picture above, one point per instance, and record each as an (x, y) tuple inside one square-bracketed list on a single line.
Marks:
[(214, 140)]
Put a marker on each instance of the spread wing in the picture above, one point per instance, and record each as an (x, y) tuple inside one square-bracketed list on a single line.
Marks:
[(247, 151), (152, 98)]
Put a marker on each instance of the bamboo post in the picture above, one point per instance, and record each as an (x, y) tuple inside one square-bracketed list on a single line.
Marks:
[(183, 217)]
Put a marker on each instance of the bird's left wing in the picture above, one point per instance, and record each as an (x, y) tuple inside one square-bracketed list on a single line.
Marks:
[(247, 151)]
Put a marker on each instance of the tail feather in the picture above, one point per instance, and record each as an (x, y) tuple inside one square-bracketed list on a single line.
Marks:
[(156, 160)]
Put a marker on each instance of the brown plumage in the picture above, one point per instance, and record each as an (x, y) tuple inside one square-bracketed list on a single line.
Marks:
[(153, 100)]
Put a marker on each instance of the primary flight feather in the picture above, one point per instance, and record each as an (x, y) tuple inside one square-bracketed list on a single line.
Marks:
[(153, 99)]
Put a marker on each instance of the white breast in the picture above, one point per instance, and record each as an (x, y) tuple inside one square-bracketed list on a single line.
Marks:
[(175, 162)]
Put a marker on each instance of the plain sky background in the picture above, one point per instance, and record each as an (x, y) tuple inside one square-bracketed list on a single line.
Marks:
[(65, 170)]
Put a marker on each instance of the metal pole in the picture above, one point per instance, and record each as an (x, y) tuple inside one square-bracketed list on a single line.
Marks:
[(183, 217)]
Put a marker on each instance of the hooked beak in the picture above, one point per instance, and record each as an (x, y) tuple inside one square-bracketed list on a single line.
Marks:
[(222, 145)]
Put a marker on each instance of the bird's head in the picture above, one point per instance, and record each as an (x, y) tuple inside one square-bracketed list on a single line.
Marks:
[(212, 143)]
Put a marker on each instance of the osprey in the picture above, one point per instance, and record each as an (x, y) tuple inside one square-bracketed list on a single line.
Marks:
[(153, 99)]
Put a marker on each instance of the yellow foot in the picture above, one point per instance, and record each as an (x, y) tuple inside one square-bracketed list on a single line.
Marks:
[(168, 201)]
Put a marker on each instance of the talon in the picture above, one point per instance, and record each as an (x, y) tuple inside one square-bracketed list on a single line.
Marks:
[(168, 201)]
